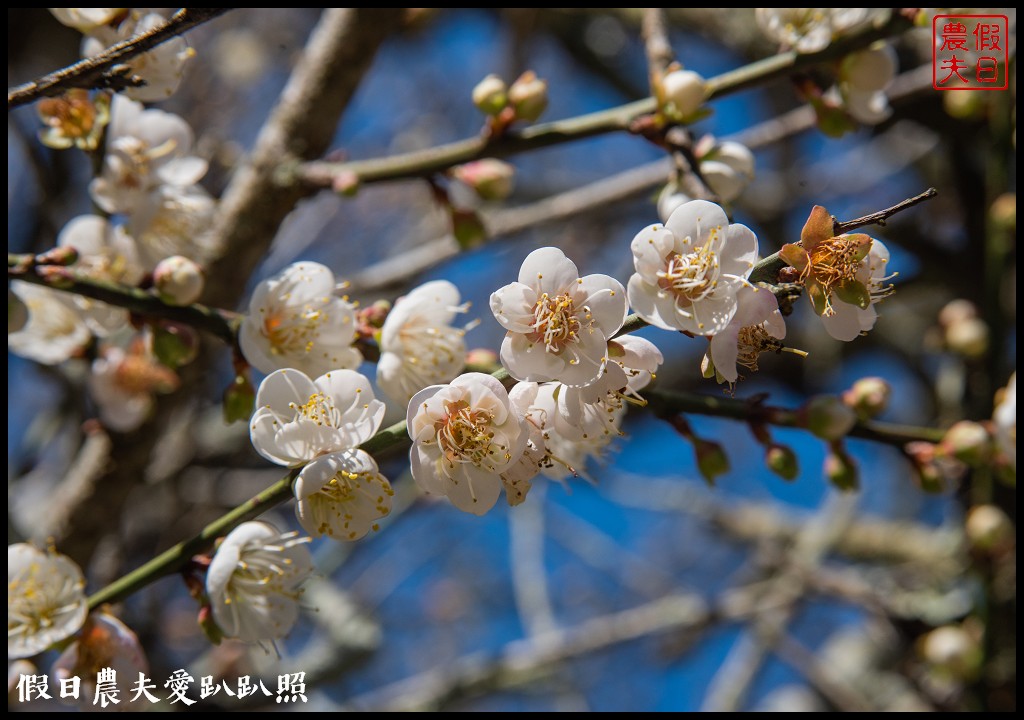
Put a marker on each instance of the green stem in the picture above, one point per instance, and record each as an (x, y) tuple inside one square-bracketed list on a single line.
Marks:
[(422, 163)]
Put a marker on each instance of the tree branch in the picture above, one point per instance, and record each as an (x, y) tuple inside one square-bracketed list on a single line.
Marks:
[(100, 71), (656, 43), (423, 163)]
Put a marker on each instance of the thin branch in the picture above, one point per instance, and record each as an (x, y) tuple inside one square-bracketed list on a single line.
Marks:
[(104, 70), (656, 43), (423, 163), (222, 323), (879, 218)]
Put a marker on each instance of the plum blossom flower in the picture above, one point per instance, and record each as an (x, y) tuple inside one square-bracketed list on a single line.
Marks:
[(74, 120), (175, 220), (863, 79), (465, 435), (161, 68), (845, 275), (122, 384), (45, 599), (321, 423), (419, 346), (558, 323), (105, 642), (87, 19), (757, 327), (55, 330), (253, 581), (296, 321), (145, 149), (689, 270), (105, 252), (808, 30)]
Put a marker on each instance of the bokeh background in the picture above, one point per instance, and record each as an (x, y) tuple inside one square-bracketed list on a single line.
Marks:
[(584, 596)]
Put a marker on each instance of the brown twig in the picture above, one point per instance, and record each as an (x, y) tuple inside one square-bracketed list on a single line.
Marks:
[(879, 218), (104, 70), (656, 43)]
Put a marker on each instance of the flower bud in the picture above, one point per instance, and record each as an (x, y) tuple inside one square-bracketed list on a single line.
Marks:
[(17, 312), (841, 470), (239, 400), (491, 179), (490, 95), (953, 650), (827, 417), (1004, 211), (685, 91), (727, 169), (175, 344), (872, 69), (969, 442), (483, 358), (868, 397), (968, 337), (178, 280), (782, 461), (346, 183), (372, 317), (988, 528), (957, 311), (528, 96), (711, 459), (670, 198)]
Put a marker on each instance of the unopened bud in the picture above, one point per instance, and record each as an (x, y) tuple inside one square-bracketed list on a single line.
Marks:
[(175, 344), (346, 183), (782, 461), (528, 96), (966, 104), (868, 397), (841, 470), (957, 311), (827, 417), (670, 198), (684, 92), (491, 179), (490, 95), (239, 400), (56, 276), (209, 626), (178, 280), (953, 650), (988, 528), (482, 357), (58, 256), (968, 337), (468, 229), (372, 316), (17, 312), (728, 169), (1004, 211), (969, 442), (711, 459)]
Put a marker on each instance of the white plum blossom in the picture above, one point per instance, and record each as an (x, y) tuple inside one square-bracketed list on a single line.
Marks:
[(253, 581), (122, 385), (558, 323), (689, 270), (105, 642), (86, 19), (320, 424), (808, 30), (296, 321), (1005, 421), (465, 435), (419, 346), (847, 321), (727, 168), (145, 149), (863, 79), (105, 252), (757, 326), (55, 330), (161, 68), (175, 220), (46, 600), (342, 495)]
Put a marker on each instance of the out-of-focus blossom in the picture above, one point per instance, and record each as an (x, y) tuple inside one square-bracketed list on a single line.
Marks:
[(179, 280), (46, 600), (75, 119), (55, 330), (683, 92), (1005, 420), (175, 221), (105, 642), (808, 30), (863, 79), (87, 19), (728, 168), (123, 383)]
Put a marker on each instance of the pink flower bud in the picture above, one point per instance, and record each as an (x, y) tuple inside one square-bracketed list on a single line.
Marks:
[(491, 179), (868, 397)]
